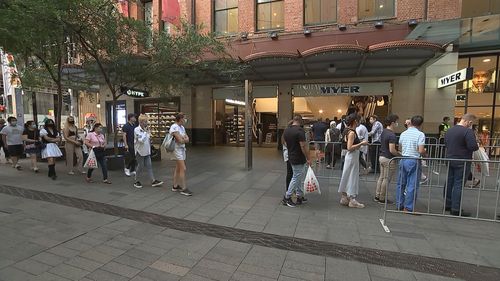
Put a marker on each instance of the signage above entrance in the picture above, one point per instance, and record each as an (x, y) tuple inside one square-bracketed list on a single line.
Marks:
[(134, 93), (342, 89), (455, 77)]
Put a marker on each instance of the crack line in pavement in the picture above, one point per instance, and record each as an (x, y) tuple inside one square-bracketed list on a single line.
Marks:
[(431, 265)]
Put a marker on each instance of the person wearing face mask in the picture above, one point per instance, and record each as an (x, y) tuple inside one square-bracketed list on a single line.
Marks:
[(73, 146), (31, 138), (96, 141), (142, 147), (13, 141), (51, 137), (3, 145), (181, 138), (128, 140), (388, 150), (460, 142)]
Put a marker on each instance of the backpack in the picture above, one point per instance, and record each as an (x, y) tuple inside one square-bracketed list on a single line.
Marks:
[(335, 135)]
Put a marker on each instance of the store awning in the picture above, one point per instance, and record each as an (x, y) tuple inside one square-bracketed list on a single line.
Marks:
[(395, 58)]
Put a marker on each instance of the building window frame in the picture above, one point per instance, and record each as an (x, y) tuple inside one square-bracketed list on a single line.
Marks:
[(257, 16), (214, 16), (375, 18), (320, 23)]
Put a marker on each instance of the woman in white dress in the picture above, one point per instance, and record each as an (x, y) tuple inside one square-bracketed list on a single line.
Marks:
[(181, 138), (349, 183), (51, 137)]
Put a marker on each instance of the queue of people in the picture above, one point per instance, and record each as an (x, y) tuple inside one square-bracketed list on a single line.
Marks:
[(17, 140)]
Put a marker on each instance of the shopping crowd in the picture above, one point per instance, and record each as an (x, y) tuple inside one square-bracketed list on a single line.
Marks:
[(90, 147), (353, 138)]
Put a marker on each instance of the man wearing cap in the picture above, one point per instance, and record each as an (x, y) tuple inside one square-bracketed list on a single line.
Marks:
[(128, 140)]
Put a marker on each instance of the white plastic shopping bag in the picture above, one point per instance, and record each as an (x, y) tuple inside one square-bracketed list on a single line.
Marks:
[(482, 167), (311, 183), (91, 162)]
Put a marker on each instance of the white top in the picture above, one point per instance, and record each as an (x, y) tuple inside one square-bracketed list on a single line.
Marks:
[(142, 141), (182, 132), (410, 140), (13, 134), (362, 132)]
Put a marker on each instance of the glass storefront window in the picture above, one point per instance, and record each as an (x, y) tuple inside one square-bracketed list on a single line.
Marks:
[(320, 11), (270, 15), (375, 9)]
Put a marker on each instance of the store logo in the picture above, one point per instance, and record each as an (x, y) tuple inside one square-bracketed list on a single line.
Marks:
[(455, 77), (340, 89), (134, 93)]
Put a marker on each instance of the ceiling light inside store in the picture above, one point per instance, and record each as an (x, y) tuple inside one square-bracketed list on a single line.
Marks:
[(321, 111), (339, 111), (235, 102), (486, 60)]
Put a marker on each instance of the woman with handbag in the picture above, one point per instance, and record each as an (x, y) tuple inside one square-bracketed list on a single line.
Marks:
[(32, 144), (96, 141), (178, 133), (51, 138), (73, 146)]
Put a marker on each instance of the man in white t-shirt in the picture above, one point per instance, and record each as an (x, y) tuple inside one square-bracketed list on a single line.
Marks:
[(181, 138), (362, 132)]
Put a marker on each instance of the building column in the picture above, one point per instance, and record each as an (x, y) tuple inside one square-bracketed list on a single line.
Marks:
[(285, 108)]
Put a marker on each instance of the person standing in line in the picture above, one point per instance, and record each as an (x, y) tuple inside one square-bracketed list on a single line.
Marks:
[(318, 130), (375, 133), (128, 140), (3, 145), (181, 138), (411, 142), (73, 146), (332, 137), (142, 148), (388, 150), (51, 137), (443, 128), (460, 142), (31, 138), (13, 141), (298, 155), (362, 133), (349, 183), (96, 141), (289, 171)]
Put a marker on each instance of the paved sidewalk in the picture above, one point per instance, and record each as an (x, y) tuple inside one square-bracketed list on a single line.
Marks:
[(227, 195)]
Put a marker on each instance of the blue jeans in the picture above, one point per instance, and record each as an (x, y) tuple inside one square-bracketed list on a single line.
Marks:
[(457, 171), (296, 182), (101, 161), (408, 183)]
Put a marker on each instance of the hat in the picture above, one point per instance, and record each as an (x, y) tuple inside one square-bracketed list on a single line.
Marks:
[(333, 124)]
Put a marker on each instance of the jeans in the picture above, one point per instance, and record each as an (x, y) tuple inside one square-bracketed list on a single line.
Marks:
[(131, 159), (144, 162), (289, 174), (296, 182), (457, 171), (101, 161), (387, 172), (408, 183)]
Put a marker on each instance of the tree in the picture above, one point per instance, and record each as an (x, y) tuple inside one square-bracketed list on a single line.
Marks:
[(32, 30)]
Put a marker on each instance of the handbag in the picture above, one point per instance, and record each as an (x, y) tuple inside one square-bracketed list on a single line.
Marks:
[(169, 143)]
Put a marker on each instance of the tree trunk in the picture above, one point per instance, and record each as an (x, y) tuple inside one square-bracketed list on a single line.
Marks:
[(59, 105), (114, 127)]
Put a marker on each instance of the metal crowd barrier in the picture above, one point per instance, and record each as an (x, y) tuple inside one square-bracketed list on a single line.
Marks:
[(481, 200)]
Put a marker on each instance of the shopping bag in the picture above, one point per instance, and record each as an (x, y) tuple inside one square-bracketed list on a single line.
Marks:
[(311, 183), (91, 162), (482, 167), (169, 143)]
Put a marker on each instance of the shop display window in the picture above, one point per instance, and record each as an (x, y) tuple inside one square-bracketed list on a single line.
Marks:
[(235, 124), (161, 115), (320, 11), (225, 17)]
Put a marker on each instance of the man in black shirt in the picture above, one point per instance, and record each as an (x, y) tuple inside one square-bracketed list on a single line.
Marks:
[(460, 142), (128, 140), (388, 150), (298, 156)]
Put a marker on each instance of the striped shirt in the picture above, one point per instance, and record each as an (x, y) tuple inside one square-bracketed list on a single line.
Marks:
[(410, 140), (376, 132)]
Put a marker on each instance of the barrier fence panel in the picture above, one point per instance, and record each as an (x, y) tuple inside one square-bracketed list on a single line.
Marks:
[(451, 193)]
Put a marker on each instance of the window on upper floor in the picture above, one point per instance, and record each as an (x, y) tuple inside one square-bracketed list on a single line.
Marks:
[(475, 8), (270, 14), (376, 9), (320, 11), (225, 16)]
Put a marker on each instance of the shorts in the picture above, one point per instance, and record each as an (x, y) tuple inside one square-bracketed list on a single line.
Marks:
[(16, 150), (179, 154)]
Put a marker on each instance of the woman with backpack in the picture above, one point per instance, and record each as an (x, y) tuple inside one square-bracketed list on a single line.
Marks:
[(349, 183)]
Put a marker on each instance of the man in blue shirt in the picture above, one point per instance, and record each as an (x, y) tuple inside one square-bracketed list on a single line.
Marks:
[(411, 143), (128, 140), (460, 142)]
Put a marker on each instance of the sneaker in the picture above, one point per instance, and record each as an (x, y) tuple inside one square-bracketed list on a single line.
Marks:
[(127, 172), (435, 173), (18, 167), (176, 188), (36, 170), (187, 192), (382, 201), (156, 183), (283, 201), (376, 199), (290, 203), (138, 184), (344, 201), (328, 166), (301, 200), (353, 203), (71, 173), (424, 179), (54, 177)]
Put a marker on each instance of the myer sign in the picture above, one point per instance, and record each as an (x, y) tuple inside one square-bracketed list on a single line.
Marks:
[(134, 93), (455, 77), (342, 89)]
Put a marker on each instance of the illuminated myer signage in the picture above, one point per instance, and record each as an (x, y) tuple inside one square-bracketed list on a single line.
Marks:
[(342, 89), (134, 93), (455, 77)]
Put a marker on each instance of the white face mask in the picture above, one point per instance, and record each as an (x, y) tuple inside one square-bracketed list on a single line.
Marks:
[(396, 125)]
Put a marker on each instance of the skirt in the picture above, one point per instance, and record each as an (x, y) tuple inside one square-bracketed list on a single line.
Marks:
[(349, 182), (31, 149), (51, 151)]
